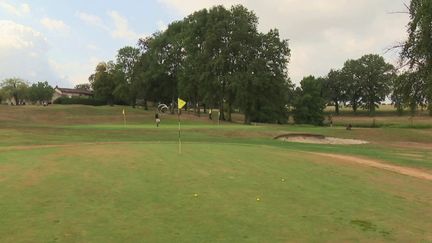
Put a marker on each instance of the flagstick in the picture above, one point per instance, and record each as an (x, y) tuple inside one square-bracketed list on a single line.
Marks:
[(179, 131)]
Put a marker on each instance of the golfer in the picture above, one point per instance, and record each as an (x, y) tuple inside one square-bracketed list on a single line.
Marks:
[(157, 119)]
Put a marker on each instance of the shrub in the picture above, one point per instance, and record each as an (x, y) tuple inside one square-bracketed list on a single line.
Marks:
[(79, 101)]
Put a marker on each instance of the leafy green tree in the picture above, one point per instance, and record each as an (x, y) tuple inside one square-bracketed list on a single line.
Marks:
[(417, 50), (212, 58), (15, 88), (368, 81), (376, 77), (351, 73), (86, 87), (195, 68), (40, 92), (264, 88), (309, 104), (126, 87), (408, 92), (398, 93), (103, 81), (336, 88), (217, 41), (242, 48), (164, 57)]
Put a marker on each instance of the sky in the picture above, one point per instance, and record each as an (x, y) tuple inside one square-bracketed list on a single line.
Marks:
[(62, 41)]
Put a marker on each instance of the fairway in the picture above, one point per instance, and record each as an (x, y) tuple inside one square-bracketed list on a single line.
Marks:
[(77, 174)]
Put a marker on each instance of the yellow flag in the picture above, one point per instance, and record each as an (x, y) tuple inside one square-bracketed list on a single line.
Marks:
[(181, 103), (124, 112)]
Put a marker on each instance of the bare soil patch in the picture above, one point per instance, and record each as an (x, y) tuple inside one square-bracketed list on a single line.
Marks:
[(381, 165), (318, 139)]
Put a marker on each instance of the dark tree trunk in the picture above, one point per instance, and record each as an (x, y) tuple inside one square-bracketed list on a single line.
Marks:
[(173, 107), (354, 106), (16, 99), (145, 105), (222, 111), (246, 119), (413, 108), (198, 109), (371, 109), (336, 106), (229, 112), (430, 109), (134, 102), (110, 101)]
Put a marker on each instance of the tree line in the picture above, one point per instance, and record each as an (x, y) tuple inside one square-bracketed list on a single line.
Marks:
[(213, 58), (217, 59), (20, 91)]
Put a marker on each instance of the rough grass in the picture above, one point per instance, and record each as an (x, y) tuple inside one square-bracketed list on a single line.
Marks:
[(77, 174)]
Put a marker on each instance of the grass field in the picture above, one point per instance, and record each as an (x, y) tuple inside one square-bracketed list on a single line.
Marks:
[(77, 174)]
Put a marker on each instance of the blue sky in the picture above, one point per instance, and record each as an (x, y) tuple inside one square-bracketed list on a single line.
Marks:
[(62, 41)]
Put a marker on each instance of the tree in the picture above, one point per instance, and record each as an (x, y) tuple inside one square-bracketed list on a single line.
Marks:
[(351, 73), (217, 41), (103, 81), (86, 87), (264, 87), (309, 104), (15, 88), (407, 92), (212, 58), (368, 81), (40, 92), (126, 88), (417, 50), (164, 60), (375, 76), (336, 88), (195, 68)]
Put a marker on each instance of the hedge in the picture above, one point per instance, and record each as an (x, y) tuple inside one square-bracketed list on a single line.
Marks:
[(79, 101)]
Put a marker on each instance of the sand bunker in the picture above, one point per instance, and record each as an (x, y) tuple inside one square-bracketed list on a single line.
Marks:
[(317, 139)]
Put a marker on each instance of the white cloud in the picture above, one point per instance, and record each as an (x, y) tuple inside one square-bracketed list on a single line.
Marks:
[(23, 53), (75, 71), (323, 34), (121, 27), (18, 10), (186, 7), (54, 25), (92, 47), (91, 19)]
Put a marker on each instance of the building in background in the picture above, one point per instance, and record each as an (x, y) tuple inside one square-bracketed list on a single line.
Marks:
[(70, 93)]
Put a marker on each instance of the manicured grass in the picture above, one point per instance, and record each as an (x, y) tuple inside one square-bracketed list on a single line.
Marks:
[(77, 174)]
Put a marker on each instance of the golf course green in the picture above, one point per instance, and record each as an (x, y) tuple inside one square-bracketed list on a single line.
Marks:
[(79, 174)]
